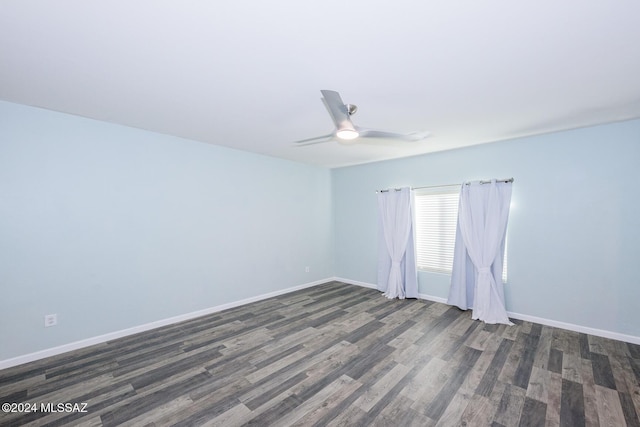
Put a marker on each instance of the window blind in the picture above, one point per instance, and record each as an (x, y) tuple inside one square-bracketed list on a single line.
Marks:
[(436, 218)]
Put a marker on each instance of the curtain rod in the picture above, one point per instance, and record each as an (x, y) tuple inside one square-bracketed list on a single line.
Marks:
[(447, 185)]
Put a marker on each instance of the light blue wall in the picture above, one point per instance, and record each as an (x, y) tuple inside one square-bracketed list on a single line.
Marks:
[(112, 227), (574, 231)]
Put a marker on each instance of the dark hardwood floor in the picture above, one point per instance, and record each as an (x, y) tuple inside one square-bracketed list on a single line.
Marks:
[(341, 355)]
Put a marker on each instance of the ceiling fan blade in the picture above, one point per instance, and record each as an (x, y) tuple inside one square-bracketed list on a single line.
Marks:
[(337, 109), (314, 140), (372, 133), (346, 133)]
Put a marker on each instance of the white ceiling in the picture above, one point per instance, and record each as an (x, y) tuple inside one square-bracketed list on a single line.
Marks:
[(248, 74)]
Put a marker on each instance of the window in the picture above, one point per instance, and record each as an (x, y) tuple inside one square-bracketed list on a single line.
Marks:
[(436, 218)]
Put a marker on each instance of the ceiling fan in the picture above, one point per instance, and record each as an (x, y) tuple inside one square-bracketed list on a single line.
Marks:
[(348, 133)]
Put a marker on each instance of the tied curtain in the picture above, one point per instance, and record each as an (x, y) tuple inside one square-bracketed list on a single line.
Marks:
[(476, 279), (397, 273)]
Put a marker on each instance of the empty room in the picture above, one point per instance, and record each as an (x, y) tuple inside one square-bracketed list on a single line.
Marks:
[(319, 214)]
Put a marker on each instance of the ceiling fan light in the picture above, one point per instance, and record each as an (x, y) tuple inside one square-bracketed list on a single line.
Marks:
[(347, 134)]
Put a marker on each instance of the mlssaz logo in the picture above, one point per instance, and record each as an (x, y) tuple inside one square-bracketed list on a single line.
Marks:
[(63, 407)]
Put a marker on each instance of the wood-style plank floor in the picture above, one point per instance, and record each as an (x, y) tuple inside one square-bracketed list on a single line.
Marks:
[(337, 355)]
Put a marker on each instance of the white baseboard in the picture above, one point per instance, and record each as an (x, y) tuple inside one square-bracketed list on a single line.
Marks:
[(432, 298), (547, 322), (576, 328), (8, 363), (372, 286), (354, 282), (54, 351)]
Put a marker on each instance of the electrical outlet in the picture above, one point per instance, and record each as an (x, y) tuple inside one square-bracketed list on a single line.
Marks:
[(306, 269), (50, 320)]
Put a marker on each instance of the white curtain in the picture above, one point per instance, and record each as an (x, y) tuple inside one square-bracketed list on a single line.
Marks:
[(397, 273), (476, 280)]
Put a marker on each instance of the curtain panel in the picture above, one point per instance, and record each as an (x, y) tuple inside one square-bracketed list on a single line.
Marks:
[(397, 273), (476, 279)]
